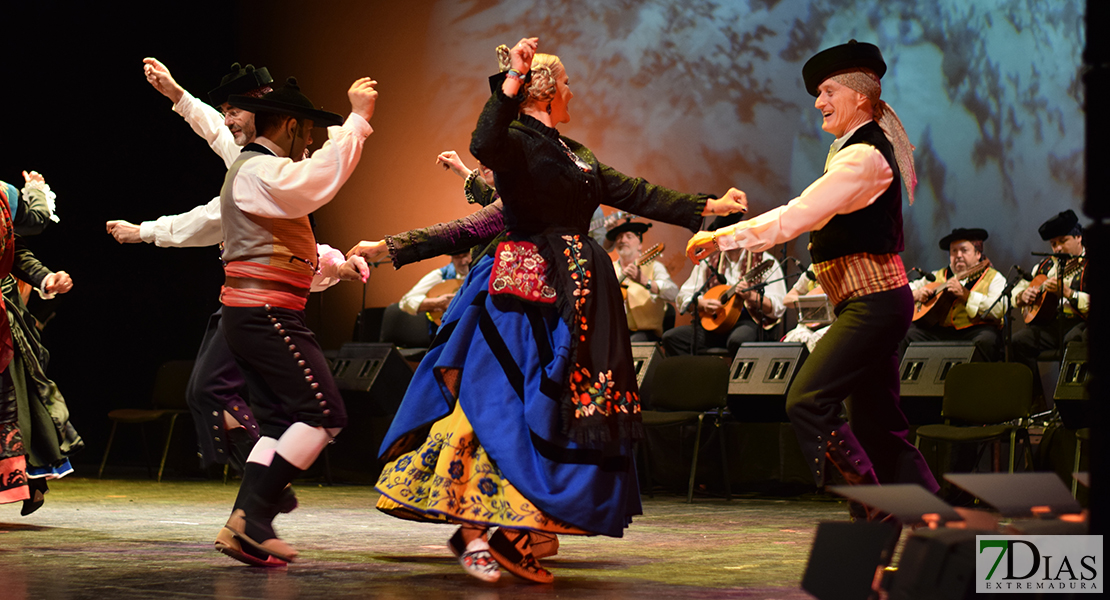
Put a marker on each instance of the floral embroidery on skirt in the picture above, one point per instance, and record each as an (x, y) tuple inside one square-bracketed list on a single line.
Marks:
[(450, 478)]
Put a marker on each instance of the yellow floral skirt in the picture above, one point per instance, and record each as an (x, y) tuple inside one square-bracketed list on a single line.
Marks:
[(451, 479)]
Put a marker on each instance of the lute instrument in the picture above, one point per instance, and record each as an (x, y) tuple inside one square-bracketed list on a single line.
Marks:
[(442, 288), (935, 307), (1030, 312), (731, 302)]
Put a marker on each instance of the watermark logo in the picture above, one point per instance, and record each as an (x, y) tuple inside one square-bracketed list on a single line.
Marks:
[(1038, 564)]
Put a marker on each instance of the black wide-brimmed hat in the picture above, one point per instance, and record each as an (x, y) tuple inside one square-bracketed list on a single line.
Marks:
[(961, 234), (853, 55), (287, 100), (1065, 223), (634, 226), (240, 80)]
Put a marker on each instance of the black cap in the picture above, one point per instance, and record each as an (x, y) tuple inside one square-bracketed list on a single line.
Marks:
[(958, 234), (1065, 223), (240, 80), (633, 226), (853, 55), (287, 100)]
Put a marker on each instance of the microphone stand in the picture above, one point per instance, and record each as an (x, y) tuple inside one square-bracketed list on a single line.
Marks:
[(1007, 322)]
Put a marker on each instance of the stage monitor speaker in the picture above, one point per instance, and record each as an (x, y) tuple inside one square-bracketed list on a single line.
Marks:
[(1071, 395), (760, 375), (845, 557), (925, 365), (936, 564), (645, 357), (372, 375), (924, 368)]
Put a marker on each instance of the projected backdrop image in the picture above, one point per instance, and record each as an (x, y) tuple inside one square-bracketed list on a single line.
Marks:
[(705, 95)]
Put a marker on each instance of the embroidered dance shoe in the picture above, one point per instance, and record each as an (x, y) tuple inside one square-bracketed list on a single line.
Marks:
[(513, 550), (543, 544), (474, 557), (227, 543)]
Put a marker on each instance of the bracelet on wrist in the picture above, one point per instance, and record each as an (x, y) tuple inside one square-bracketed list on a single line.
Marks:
[(513, 73)]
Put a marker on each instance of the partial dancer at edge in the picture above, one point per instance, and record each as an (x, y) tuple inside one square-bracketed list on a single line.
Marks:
[(270, 258), (854, 214), (523, 413)]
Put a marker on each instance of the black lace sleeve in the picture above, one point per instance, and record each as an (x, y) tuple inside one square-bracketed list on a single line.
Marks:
[(446, 238)]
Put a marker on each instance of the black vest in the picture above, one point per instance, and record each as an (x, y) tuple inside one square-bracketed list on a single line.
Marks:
[(876, 229)]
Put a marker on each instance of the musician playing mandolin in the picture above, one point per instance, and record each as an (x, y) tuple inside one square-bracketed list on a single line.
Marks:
[(647, 284), (1039, 298), (955, 306), (755, 310)]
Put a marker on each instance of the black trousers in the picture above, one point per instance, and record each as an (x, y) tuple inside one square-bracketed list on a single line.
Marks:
[(217, 385), (286, 373), (857, 361)]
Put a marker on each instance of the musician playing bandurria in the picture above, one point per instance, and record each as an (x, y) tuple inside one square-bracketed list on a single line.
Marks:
[(854, 215), (963, 297), (647, 284), (756, 308), (1065, 236)]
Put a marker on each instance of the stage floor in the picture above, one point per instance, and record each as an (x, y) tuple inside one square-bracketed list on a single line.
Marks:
[(125, 539)]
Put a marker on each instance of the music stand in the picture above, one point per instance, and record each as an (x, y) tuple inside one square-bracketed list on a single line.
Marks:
[(814, 310), (907, 502), (1019, 494)]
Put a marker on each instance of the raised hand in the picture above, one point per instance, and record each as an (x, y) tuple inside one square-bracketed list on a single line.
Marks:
[(700, 246), (363, 97), (354, 269), (521, 55), (732, 202), (450, 160), (370, 251), (159, 76), (124, 232)]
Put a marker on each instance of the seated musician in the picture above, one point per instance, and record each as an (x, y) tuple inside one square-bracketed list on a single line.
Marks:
[(647, 284), (428, 295), (963, 298), (724, 272), (1054, 313)]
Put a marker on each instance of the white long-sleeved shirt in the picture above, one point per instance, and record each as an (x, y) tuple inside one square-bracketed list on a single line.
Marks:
[(855, 177), (731, 271), (277, 187), (410, 302)]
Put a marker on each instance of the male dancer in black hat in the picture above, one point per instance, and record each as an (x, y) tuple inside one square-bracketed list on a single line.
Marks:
[(854, 215), (1059, 308), (226, 428), (269, 260), (961, 303)]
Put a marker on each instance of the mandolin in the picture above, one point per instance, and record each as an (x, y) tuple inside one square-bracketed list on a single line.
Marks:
[(1030, 312), (731, 303), (933, 310), (649, 255), (604, 221), (442, 288)]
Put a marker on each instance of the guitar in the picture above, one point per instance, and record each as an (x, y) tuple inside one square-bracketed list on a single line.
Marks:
[(442, 288), (936, 306), (613, 218), (1030, 312), (649, 255), (731, 304)]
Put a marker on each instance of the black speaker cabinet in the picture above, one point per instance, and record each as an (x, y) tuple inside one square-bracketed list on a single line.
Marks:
[(759, 378), (926, 365), (936, 564), (645, 357), (373, 375), (924, 368), (1071, 388), (845, 557)]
